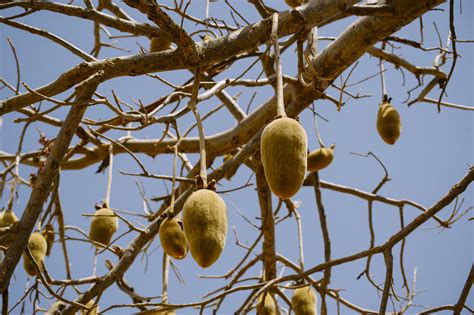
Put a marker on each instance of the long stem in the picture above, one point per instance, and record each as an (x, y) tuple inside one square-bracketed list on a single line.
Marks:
[(109, 177), (315, 118), (279, 80), (173, 181), (202, 140), (382, 75), (300, 239)]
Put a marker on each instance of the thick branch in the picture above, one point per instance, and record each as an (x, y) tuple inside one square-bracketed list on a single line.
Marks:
[(211, 53), (44, 181)]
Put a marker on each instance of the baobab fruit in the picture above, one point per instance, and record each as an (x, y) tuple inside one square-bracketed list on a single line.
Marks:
[(294, 3), (388, 123), (283, 148), (303, 301), (7, 217), (92, 311), (159, 43), (205, 226), (320, 158), (173, 239), (37, 246), (267, 305), (103, 226)]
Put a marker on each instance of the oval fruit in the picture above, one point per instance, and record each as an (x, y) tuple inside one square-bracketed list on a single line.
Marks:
[(37, 245), (283, 149), (320, 158), (103, 226), (205, 226), (388, 123), (303, 301), (267, 306), (7, 218), (173, 239)]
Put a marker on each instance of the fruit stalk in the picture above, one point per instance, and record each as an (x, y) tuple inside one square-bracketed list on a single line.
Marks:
[(279, 80), (382, 75), (202, 140), (109, 177)]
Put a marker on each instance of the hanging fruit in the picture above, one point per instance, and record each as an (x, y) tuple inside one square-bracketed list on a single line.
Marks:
[(283, 149), (304, 301), (388, 122), (320, 158), (205, 226), (103, 226), (172, 237), (37, 246)]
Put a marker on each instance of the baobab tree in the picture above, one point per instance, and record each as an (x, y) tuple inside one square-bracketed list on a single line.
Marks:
[(236, 156)]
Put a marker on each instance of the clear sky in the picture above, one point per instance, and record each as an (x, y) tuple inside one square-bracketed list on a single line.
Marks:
[(433, 152)]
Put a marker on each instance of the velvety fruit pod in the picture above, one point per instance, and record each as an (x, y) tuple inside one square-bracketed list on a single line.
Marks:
[(93, 311), (388, 123), (283, 148), (159, 43), (303, 301), (294, 3), (7, 218), (205, 226), (320, 158), (173, 239), (267, 306), (103, 226), (37, 245)]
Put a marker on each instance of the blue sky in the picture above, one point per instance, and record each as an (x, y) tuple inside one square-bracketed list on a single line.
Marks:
[(433, 153)]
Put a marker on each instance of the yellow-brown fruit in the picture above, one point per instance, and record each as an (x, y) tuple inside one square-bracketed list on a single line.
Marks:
[(388, 123), (294, 3), (283, 147), (205, 226), (267, 306), (37, 245), (104, 224), (173, 239), (7, 218), (303, 301), (159, 43), (320, 158), (93, 311)]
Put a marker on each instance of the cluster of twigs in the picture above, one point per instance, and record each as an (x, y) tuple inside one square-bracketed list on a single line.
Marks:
[(82, 142)]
